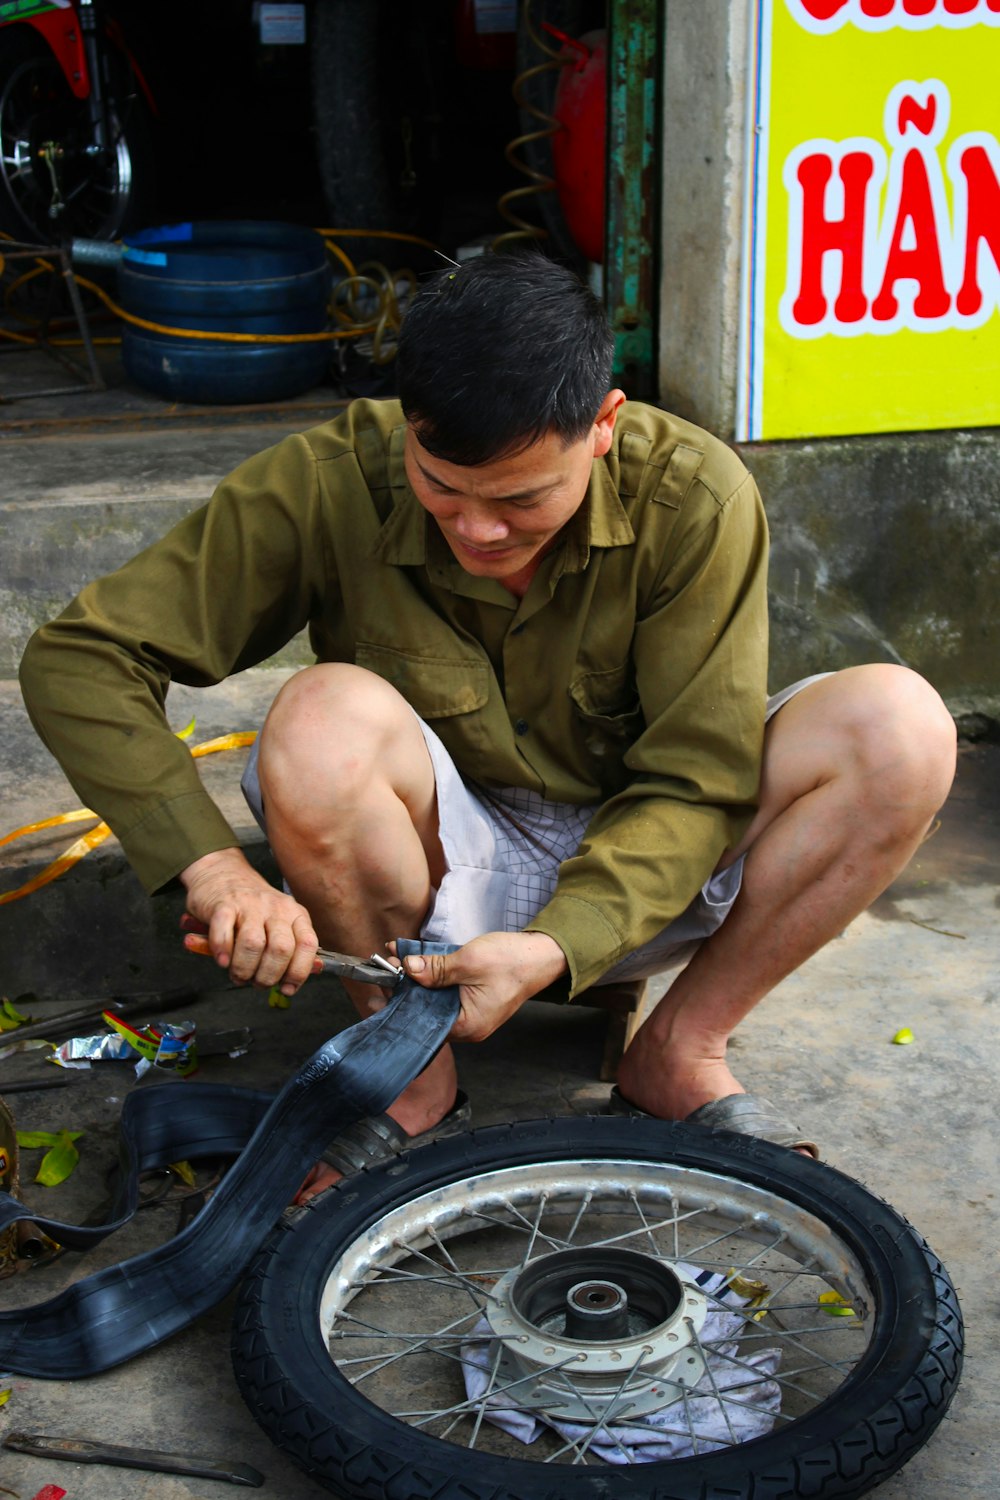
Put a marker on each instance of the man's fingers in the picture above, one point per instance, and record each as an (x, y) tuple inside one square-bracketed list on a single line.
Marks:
[(248, 949), (430, 969), (286, 959), (275, 953), (261, 935), (222, 936), (303, 959), (292, 977)]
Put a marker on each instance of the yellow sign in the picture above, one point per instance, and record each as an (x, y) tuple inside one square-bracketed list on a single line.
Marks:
[(872, 256)]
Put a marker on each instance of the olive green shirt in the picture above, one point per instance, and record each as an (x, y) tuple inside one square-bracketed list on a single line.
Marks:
[(631, 676)]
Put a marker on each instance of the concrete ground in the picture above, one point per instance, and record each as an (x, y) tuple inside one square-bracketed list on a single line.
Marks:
[(918, 1124)]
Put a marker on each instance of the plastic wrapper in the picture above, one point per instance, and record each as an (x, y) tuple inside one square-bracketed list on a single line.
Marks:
[(161, 1044)]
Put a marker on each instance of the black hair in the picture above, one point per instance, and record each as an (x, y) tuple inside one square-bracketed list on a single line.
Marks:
[(499, 351)]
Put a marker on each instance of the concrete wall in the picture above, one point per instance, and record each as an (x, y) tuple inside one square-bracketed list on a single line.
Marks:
[(73, 508), (884, 548)]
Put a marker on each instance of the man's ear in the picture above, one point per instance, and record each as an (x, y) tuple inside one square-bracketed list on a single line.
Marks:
[(604, 422)]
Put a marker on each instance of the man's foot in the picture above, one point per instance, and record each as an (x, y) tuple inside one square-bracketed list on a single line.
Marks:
[(679, 1086), (317, 1180), (372, 1140), (686, 1089)]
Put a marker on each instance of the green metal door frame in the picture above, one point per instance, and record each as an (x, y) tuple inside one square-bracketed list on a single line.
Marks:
[(636, 39)]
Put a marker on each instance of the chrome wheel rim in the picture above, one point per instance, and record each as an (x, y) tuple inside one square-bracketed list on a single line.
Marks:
[(403, 1307)]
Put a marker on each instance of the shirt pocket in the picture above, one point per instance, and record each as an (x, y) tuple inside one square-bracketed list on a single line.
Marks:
[(608, 703), (435, 687)]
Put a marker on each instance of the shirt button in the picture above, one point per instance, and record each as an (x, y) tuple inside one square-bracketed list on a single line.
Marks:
[(521, 726)]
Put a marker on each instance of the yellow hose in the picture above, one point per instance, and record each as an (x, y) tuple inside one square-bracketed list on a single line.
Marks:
[(387, 318)]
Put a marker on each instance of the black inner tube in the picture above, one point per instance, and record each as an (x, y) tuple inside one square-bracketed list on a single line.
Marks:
[(119, 1312)]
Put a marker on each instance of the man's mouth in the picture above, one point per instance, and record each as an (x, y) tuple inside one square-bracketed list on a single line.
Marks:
[(504, 551)]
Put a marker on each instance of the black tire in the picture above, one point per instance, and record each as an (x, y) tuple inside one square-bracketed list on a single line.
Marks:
[(872, 1422), (103, 197)]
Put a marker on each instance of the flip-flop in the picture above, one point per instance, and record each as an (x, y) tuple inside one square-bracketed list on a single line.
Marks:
[(377, 1137), (744, 1114)]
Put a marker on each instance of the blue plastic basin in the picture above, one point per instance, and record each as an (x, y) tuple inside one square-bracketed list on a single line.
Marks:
[(234, 277)]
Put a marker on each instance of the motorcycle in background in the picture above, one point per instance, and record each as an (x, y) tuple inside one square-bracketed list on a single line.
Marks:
[(75, 150)]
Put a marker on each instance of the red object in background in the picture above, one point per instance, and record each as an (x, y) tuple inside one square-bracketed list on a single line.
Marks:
[(50, 1492), (578, 149), (485, 34), (61, 29)]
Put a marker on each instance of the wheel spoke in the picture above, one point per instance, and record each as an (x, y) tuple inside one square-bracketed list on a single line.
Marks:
[(454, 1278), (535, 1230), (696, 1340), (484, 1398)]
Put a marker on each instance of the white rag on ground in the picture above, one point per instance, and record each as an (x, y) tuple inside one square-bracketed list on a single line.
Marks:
[(703, 1423)]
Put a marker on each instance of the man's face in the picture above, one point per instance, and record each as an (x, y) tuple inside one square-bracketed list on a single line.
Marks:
[(501, 518)]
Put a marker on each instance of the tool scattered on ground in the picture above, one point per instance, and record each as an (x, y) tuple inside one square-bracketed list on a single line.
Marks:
[(91, 1011), (33, 1085), (82, 1451)]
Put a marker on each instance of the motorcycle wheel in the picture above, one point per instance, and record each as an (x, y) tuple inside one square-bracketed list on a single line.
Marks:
[(101, 195), (351, 1329)]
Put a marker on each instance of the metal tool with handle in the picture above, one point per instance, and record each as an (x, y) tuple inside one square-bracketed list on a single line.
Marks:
[(373, 970), (80, 1451)]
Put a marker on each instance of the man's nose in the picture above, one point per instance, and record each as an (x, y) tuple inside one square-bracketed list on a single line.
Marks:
[(477, 525)]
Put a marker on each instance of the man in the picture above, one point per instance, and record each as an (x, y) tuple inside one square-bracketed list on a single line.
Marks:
[(537, 723)]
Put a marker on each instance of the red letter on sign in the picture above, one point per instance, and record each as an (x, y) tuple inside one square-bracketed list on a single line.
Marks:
[(820, 235), (823, 10), (922, 262), (983, 224)]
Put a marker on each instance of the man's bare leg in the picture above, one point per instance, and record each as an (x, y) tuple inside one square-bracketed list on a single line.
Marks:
[(855, 767), (351, 807)]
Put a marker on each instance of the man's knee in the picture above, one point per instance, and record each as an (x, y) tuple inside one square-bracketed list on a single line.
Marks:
[(330, 730), (898, 741)]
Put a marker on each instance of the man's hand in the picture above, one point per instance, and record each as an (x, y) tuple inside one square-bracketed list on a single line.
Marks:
[(496, 973), (260, 934)]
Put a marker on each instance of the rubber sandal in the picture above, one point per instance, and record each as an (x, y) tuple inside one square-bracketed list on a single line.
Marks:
[(742, 1114), (378, 1137)]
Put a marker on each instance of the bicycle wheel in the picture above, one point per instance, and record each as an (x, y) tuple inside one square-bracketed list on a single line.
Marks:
[(761, 1323)]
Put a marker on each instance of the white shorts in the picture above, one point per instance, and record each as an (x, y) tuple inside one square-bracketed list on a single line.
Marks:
[(503, 850)]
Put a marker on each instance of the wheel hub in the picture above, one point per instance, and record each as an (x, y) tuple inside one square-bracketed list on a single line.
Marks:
[(596, 1333)]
